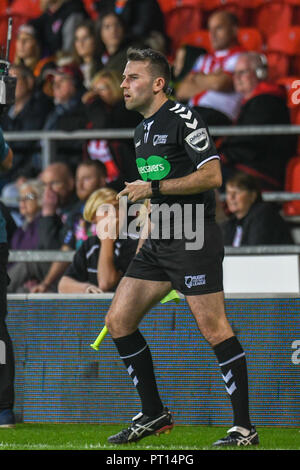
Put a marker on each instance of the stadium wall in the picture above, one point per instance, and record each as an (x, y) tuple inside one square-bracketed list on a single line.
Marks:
[(61, 379)]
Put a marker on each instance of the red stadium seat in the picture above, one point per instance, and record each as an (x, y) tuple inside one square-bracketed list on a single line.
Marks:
[(271, 17), (234, 6), (181, 21), (250, 39), (198, 38), (28, 9), (169, 5), (278, 65), (292, 184), (287, 41)]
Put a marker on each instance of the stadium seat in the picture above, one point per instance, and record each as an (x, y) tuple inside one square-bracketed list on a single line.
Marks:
[(250, 39), (234, 6), (198, 38), (271, 17), (181, 21), (278, 65), (287, 41), (169, 5), (292, 184)]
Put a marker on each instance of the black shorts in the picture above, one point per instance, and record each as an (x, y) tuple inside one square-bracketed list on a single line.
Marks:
[(191, 272)]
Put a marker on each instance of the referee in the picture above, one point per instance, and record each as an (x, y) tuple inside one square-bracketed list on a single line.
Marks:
[(178, 163)]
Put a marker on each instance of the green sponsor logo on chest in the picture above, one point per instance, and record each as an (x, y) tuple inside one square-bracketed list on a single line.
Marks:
[(154, 168)]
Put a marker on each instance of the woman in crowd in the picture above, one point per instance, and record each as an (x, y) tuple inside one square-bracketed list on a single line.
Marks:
[(26, 237), (105, 109), (114, 41), (252, 221), (86, 51), (28, 48), (101, 260)]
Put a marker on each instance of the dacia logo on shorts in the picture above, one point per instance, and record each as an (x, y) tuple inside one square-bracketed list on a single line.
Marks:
[(192, 281), (198, 139)]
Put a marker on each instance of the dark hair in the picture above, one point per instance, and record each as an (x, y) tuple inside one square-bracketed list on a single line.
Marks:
[(90, 26), (97, 164), (158, 63), (99, 24), (245, 181)]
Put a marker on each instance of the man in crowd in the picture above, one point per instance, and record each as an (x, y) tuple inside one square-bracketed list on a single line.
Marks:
[(262, 156), (58, 200), (209, 86)]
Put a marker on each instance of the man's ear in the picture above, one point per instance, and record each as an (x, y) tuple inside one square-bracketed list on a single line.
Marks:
[(158, 84)]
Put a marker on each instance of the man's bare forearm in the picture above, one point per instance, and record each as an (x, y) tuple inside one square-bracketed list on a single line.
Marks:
[(207, 177)]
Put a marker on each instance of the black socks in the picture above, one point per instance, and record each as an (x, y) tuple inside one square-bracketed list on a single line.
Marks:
[(136, 356), (233, 366)]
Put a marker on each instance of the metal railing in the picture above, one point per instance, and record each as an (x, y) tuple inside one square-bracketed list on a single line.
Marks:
[(67, 256), (48, 138)]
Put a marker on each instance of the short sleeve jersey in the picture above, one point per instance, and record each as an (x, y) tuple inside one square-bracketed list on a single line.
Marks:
[(172, 143), (84, 267), (4, 148)]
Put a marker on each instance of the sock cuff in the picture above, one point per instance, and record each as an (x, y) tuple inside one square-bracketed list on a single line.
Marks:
[(131, 344), (228, 350)]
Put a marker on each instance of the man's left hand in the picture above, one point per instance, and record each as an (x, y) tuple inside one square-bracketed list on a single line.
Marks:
[(136, 190)]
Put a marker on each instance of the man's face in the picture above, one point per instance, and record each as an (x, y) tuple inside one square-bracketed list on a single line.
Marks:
[(63, 88), (88, 180), (222, 32), (244, 77), (59, 182), (137, 85)]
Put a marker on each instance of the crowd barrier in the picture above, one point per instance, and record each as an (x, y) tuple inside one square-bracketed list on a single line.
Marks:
[(47, 139), (60, 378)]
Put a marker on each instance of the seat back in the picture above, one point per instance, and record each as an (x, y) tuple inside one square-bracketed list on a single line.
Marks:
[(292, 184)]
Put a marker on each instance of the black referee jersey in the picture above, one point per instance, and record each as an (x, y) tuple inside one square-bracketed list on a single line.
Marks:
[(85, 261), (172, 143)]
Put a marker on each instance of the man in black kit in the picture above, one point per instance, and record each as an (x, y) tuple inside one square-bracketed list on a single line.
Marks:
[(178, 163)]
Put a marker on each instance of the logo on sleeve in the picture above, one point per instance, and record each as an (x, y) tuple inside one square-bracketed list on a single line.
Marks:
[(198, 139), (154, 168)]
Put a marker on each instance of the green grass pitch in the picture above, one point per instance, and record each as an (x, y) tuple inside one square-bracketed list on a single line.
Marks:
[(94, 437)]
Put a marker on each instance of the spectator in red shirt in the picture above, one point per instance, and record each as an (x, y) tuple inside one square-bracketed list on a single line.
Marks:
[(209, 86)]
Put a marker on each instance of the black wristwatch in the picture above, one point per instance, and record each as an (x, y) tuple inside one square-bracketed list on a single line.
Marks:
[(155, 188)]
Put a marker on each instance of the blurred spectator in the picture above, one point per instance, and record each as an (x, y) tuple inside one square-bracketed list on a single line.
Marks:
[(264, 156), (86, 51), (30, 206), (28, 48), (58, 200), (252, 222), (209, 86), (26, 237), (141, 17), (57, 24), (114, 41), (27, 113), (68, 113), (105, 109), (101, 261), (185, 57), (90, 176)]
